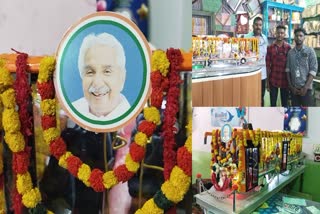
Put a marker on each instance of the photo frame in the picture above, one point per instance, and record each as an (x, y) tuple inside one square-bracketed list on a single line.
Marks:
[(252, 7), (233, 4), (71, 85), (295, 120)]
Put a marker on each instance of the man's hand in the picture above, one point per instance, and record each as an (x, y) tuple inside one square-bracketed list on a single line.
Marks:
[(294, 90), (267, 85), (303, 91)]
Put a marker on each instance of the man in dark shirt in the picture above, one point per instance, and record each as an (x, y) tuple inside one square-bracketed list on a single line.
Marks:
[(276, 64), (301, 68)]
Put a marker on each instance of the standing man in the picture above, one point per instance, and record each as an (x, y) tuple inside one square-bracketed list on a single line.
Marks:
[(263, 44), (276, 65), (301, 68)]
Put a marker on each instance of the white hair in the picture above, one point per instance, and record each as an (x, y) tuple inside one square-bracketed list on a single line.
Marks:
[(101, 39)]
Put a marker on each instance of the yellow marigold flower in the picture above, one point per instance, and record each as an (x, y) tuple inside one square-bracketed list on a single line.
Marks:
[(31, 198), (15, 141), (49, 212), (5, 79), (178, 177), (84, 174), (50, 134), (188, 144), (63, 159), (47, 66), (109, 179), (141, 139), (171, 192), (10, 121), (150, 208), (24, 183), (131, 165), (189, 126), (160, 62), (152, 114), (8, 98), (48, 107)]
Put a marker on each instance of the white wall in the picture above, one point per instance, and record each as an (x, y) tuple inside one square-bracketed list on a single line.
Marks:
[(170, 23), (266, 118), (37, 26)]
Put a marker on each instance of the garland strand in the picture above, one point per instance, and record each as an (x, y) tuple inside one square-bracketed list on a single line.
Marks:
[(171, 110), (173, 190), (14, 138), (94, 178), (22, 94)]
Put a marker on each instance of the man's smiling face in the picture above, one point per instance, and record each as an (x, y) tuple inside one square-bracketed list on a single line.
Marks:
[(103, 79)]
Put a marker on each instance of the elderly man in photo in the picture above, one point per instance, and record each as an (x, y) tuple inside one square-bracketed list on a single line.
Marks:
[(301, 68), (102, 68)]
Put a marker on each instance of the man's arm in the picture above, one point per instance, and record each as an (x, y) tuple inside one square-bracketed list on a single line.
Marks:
[(305, 88), (313, 67), (291, 87)]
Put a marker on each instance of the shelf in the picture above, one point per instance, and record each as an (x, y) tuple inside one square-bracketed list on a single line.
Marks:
[(247, 203), (312, 33), (282, 6), (311, 17)]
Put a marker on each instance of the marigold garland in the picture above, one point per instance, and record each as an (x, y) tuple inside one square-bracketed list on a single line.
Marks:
[(95, 178), (174, 189), (172, 108), (99, 180), (30, 195)]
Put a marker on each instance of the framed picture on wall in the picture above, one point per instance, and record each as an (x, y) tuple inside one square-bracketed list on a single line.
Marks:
[(252, 7), (295, 120), (235, 117)]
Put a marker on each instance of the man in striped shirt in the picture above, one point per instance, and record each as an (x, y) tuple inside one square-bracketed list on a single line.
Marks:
[(276, 64)]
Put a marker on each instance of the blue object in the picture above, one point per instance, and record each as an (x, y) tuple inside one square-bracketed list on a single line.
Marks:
[(267, 4)]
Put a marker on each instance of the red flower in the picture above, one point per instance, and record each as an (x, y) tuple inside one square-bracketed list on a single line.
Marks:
[(122, 173), (48, 122), (169, 157), (147, 127), (165, 84), (137, 152), (156, 78), (46, 90), (156, 97), (184, 160), (57, 148), (20, 161), (16, 199), (198, 175), (96, 180), (73, 165), (235, 187)]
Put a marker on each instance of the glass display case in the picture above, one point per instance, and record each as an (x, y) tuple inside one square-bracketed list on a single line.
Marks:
[(275, 13)]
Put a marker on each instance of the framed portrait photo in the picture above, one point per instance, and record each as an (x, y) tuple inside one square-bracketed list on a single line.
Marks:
[(102, 76)]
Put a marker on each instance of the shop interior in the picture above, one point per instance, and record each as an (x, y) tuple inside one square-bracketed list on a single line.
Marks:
[(271, 173), (40, 176), (227, 66)]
